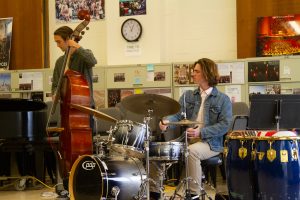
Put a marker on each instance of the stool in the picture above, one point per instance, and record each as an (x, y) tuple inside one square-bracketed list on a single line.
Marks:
[(209, 169)]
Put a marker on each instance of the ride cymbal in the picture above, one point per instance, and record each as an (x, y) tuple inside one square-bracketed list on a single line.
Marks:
[(94, 112), (158, 104)]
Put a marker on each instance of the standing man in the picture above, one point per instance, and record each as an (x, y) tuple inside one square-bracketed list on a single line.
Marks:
[(81, 60), (212, 109)]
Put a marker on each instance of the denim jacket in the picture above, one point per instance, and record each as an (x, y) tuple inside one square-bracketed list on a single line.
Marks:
[(217, 115)]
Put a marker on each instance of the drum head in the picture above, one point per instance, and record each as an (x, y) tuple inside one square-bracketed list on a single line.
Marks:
[(86, 181)]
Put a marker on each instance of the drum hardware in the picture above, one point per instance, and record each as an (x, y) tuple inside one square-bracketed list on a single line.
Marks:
[(145, 186), (102, 143), (115, 192), (163, 167), (184, 183), (129, 138)]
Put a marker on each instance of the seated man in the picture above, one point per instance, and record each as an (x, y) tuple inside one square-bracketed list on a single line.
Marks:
[(212, 110)]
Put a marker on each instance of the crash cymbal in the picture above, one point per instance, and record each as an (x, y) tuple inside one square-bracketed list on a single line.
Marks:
[(160, 105), (94, 112), (183, 122)]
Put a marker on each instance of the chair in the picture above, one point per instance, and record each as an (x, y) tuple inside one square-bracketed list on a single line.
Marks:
[(209, 169), (240, 113)]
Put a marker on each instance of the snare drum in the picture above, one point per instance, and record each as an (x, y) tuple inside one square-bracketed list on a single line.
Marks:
[(93, 177), (239, 166), (165, 151), (277, 167), (129, 138)]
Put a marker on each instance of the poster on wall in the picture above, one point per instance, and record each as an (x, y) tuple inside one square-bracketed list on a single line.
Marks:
[(278, 35), (31, 81), (234, 92), (182, 74), (262, 71), (5, 41), (231, 72), (5, 82), (66, 10), (132, 7)]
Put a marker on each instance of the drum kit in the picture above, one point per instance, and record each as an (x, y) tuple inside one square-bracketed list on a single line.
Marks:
[(119, 173)]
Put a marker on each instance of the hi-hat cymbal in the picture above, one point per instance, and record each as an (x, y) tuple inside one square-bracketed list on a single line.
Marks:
[(142, 103), (183, 122), (94, 112)]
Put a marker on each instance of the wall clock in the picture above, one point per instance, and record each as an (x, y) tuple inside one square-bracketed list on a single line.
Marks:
[(131, 30)]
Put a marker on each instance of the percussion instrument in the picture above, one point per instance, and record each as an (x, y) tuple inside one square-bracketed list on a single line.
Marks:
[(166, 151), (148, 105), (115, 177), (158, 104), (239, 168), (276, 167), (264, 165), (129, 138)]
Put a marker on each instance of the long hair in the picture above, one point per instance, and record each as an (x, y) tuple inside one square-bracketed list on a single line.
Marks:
[(65, 32), (210, 71)]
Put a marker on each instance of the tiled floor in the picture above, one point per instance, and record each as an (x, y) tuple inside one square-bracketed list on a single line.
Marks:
[(40, 192)]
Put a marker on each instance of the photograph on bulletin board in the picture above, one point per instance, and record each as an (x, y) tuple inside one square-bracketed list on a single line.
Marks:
[(132, 7), (119, 77), (5, 80), (278, 35), (114, 97), (5, 41), (263, 71), (273, 89), (182, 74), (67, 10), (159, 76), (257, 89)]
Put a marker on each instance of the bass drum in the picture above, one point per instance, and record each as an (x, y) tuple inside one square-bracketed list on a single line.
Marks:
[(93, 177)]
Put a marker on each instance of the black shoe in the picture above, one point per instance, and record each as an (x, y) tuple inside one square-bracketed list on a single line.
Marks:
[(154, 195)]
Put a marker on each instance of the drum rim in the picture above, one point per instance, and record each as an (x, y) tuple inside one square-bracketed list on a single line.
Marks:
[(163, 158), (278, 138), (123, 121), (160, 143), (263, 137), (240, 137)]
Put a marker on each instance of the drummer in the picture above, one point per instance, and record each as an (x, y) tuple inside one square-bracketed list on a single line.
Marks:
[(212, 109)]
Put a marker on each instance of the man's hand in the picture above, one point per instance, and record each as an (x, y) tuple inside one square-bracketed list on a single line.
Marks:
[(193, 132), (163, 125), (73, 46)]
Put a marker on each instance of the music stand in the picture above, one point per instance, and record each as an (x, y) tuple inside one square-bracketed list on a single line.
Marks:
[(274, 111)]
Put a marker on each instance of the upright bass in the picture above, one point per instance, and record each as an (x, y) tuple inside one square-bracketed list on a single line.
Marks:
[(75, 133)]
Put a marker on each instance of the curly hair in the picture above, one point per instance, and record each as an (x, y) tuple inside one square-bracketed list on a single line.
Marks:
[(210, 71)]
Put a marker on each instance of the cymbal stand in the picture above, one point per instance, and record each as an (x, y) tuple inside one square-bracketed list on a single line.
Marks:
[(145, 186), (162, 168), (185, 182)]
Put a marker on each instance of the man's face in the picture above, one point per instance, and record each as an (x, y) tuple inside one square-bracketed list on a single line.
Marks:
[(62, 44), (198, 75)]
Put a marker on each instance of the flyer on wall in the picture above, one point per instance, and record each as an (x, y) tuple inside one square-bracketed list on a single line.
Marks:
[(5, 41)]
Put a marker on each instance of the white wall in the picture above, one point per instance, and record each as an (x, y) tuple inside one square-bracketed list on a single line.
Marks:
[(173, 31)]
